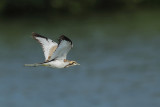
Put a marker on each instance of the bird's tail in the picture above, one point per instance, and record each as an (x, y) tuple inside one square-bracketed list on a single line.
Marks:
[(33, 65)]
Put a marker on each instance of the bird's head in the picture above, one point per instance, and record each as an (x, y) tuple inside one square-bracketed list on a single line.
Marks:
[(72, 63)]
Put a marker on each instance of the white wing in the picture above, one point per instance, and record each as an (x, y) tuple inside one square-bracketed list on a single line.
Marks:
[(64, 46), (47, 44)]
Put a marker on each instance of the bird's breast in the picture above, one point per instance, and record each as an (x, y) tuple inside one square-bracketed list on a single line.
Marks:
[(58, 64)]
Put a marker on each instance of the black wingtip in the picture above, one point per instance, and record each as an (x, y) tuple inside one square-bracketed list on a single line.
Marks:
[(64, 38), (35, 34), (38, 35)]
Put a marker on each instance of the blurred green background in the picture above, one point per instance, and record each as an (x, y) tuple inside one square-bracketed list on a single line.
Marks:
[(25, 7), (115, 41)]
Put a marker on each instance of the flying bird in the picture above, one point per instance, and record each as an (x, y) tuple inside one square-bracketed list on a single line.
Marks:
[(55, 53)]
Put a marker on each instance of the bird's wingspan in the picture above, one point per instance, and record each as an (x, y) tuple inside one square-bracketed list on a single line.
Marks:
[(47, 44), (64, 46)]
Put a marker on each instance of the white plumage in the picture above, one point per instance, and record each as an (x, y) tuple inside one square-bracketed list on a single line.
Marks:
[(46, 44), (55, 53)]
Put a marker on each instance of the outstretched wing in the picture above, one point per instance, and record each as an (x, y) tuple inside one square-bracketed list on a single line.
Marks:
[(64, 46), (47, 44)]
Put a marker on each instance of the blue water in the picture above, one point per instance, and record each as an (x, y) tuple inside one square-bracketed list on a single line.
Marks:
[(119, 57)]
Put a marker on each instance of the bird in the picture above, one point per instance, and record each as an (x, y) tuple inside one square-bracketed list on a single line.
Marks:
[(55, 53)]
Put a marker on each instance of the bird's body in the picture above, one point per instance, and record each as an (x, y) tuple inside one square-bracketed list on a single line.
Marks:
[(55, 54), (57, 64), (53, 64)]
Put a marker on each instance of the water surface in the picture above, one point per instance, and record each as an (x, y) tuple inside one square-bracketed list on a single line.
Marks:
[(118, 53)]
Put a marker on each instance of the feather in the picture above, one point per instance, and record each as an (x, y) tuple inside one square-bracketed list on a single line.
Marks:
[(47, 44), (64, 46)]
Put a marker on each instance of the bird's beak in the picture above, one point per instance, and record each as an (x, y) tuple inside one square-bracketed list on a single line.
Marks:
[(77, 64)]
